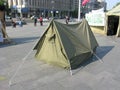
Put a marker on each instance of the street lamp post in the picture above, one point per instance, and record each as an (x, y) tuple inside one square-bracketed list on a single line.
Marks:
[(5, 10), (21, 9), (52, 2), (79, 11)]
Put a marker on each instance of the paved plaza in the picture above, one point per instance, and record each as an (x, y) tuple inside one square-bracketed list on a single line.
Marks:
[(19, 69)]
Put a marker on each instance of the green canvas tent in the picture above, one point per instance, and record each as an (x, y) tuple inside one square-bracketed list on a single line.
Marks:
[(112, 26), (66, 45)]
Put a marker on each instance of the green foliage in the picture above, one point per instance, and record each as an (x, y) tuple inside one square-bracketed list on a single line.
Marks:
[(75, 13), (117, 4), (2, 6), (2, 2)]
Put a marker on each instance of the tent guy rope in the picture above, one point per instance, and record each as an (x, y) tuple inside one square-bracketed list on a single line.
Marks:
[(20, 66)]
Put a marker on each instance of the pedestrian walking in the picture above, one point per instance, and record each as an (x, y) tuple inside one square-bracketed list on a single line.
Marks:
[(41, 20), (67, 19), (35, 20), (20, 23), (13, 23), (1, 34)]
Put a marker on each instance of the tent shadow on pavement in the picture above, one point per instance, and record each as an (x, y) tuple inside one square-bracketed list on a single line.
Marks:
[(100, 52), (17, 41)]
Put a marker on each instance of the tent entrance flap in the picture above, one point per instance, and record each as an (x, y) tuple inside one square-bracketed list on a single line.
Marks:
[(113, 22)]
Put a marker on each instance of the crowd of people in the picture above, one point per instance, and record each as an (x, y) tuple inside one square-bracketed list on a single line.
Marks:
[(36, 19), (40, 20)]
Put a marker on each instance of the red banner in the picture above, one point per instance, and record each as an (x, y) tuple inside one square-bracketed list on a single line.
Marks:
[(84, 2)]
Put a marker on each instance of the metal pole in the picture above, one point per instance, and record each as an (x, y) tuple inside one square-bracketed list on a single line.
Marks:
[(52, 8), (21, 10), (79, 10), (5, 10)]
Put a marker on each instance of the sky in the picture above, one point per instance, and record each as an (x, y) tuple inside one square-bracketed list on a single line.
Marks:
[(111, 3)]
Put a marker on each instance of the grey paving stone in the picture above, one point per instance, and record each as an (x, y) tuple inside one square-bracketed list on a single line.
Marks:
[(37, 75)]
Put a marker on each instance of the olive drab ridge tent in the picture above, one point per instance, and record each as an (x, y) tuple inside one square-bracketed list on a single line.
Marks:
[(66, 45), (112, 26)]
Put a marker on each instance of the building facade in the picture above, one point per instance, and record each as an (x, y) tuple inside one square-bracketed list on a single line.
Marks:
[(41, 7), (49, 8)]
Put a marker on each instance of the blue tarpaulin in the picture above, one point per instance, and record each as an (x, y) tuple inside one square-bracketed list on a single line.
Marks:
[(25, 10)]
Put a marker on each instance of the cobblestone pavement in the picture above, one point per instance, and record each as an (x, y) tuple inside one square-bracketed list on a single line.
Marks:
[(99, 73)]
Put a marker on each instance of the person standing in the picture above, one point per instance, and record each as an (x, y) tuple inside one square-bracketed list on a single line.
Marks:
[(41, 20), (20, 23), (1, 34), (35, 20), (67, 19)]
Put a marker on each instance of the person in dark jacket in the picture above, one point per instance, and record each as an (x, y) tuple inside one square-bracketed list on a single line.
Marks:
[(35, 20)]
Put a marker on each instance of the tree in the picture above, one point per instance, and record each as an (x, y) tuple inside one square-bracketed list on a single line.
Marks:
[(2, 2), (117, 4), (2, 6)]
